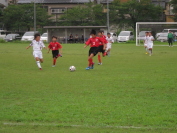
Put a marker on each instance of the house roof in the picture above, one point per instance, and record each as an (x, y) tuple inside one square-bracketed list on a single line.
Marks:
[(73, 27), (58, 1)]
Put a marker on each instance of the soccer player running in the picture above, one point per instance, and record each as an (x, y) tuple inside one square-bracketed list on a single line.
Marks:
[(170, 39), (146, 41), (37, 45), (94, 43), (110, 40), (55, 47), (102, 47), (150, 43)]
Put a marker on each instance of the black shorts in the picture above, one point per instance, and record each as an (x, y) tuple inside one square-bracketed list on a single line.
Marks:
[(55, 53), (93, 50), (100, 49)]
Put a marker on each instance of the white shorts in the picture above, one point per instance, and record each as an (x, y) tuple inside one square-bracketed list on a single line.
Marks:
[(145, 44), (37, 54), (108, 46), (150, 45)]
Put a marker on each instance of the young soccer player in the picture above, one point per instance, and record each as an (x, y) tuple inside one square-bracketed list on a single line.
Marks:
[(37, 47), (146, 41), (110, 40), (55, 47), (94, 43), (170, 39), (150, 43), (102, 32), (102, 47)]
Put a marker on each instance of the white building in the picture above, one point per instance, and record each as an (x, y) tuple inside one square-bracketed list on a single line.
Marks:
[(3, 3)]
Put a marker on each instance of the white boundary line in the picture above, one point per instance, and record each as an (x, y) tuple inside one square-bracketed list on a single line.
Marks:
[(81, 126)]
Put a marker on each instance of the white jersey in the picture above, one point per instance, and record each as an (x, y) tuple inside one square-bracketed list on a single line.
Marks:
[(37, 45), (146, 40), (110, 40), (150, 39)]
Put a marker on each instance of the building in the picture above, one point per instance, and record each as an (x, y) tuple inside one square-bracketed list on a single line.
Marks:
[(58, 7), (3, 3)]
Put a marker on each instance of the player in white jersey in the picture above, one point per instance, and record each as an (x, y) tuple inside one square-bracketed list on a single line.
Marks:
[(37, 45), (146, 41), (110, 40), (150, 43)]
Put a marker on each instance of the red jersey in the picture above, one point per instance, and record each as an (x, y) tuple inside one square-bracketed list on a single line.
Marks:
[(54, 46), (94, 42), (104, 36), (104, 41)]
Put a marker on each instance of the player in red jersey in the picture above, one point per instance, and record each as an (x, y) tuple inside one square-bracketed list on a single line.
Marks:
[(102, 32), (55, 47), (94, 43), (102, 47)]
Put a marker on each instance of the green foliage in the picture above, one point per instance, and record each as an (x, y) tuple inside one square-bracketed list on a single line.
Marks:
[(174, 5), (2, 41), (20, 17), (89, 14), (128, 13)]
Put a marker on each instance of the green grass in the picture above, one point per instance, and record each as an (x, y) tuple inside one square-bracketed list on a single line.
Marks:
[(130, 92)]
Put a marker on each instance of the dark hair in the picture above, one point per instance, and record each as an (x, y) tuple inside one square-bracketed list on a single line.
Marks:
[(36, 35), (147, 32), (54, 37), (108, 33), (93, 32), (102, 31)]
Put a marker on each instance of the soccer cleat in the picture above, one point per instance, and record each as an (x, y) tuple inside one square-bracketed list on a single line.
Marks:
[(88, 68), (99, 63), (59, 55), (92, 66), (105, 53), (40, 68), (53, 66)]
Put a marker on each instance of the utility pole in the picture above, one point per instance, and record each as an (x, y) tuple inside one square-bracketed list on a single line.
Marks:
[(34, 16), (108, 15)]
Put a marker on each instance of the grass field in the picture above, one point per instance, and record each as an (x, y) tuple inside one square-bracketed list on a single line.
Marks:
[(131, 92)]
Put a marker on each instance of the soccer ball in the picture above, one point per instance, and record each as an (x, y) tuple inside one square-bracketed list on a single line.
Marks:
[(72, 68)]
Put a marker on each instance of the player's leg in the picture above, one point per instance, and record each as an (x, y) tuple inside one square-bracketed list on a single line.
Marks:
[(172, 42), (109, 51), (150, 51), (90, 60), (99, 58), (38, 57)]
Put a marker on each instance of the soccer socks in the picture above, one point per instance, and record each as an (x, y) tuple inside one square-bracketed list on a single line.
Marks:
[(54, 61), (90, 62), (99, 58), (38, 64)]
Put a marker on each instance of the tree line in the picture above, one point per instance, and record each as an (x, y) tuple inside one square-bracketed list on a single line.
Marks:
[(20, 17)]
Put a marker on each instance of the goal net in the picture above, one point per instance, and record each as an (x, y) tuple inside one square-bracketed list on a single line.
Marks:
[(158, 29)]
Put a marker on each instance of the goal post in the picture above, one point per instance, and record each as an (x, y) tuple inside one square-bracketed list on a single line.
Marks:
[(154, 27)]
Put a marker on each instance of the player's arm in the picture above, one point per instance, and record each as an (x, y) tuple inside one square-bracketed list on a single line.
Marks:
[(29, 45), (87, 43), (104, 43), (60, 48), (43, 46), (152, 39), (49, 48)]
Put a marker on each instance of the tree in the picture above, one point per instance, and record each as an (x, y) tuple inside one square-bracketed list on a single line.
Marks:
[(174, 5), (89, 14), (20, 17), (134, 11)]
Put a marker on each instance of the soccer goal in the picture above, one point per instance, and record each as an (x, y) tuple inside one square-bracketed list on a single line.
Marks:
[(159, 31)]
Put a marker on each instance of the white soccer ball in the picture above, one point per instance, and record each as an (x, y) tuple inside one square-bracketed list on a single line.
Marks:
[(72, 68)]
